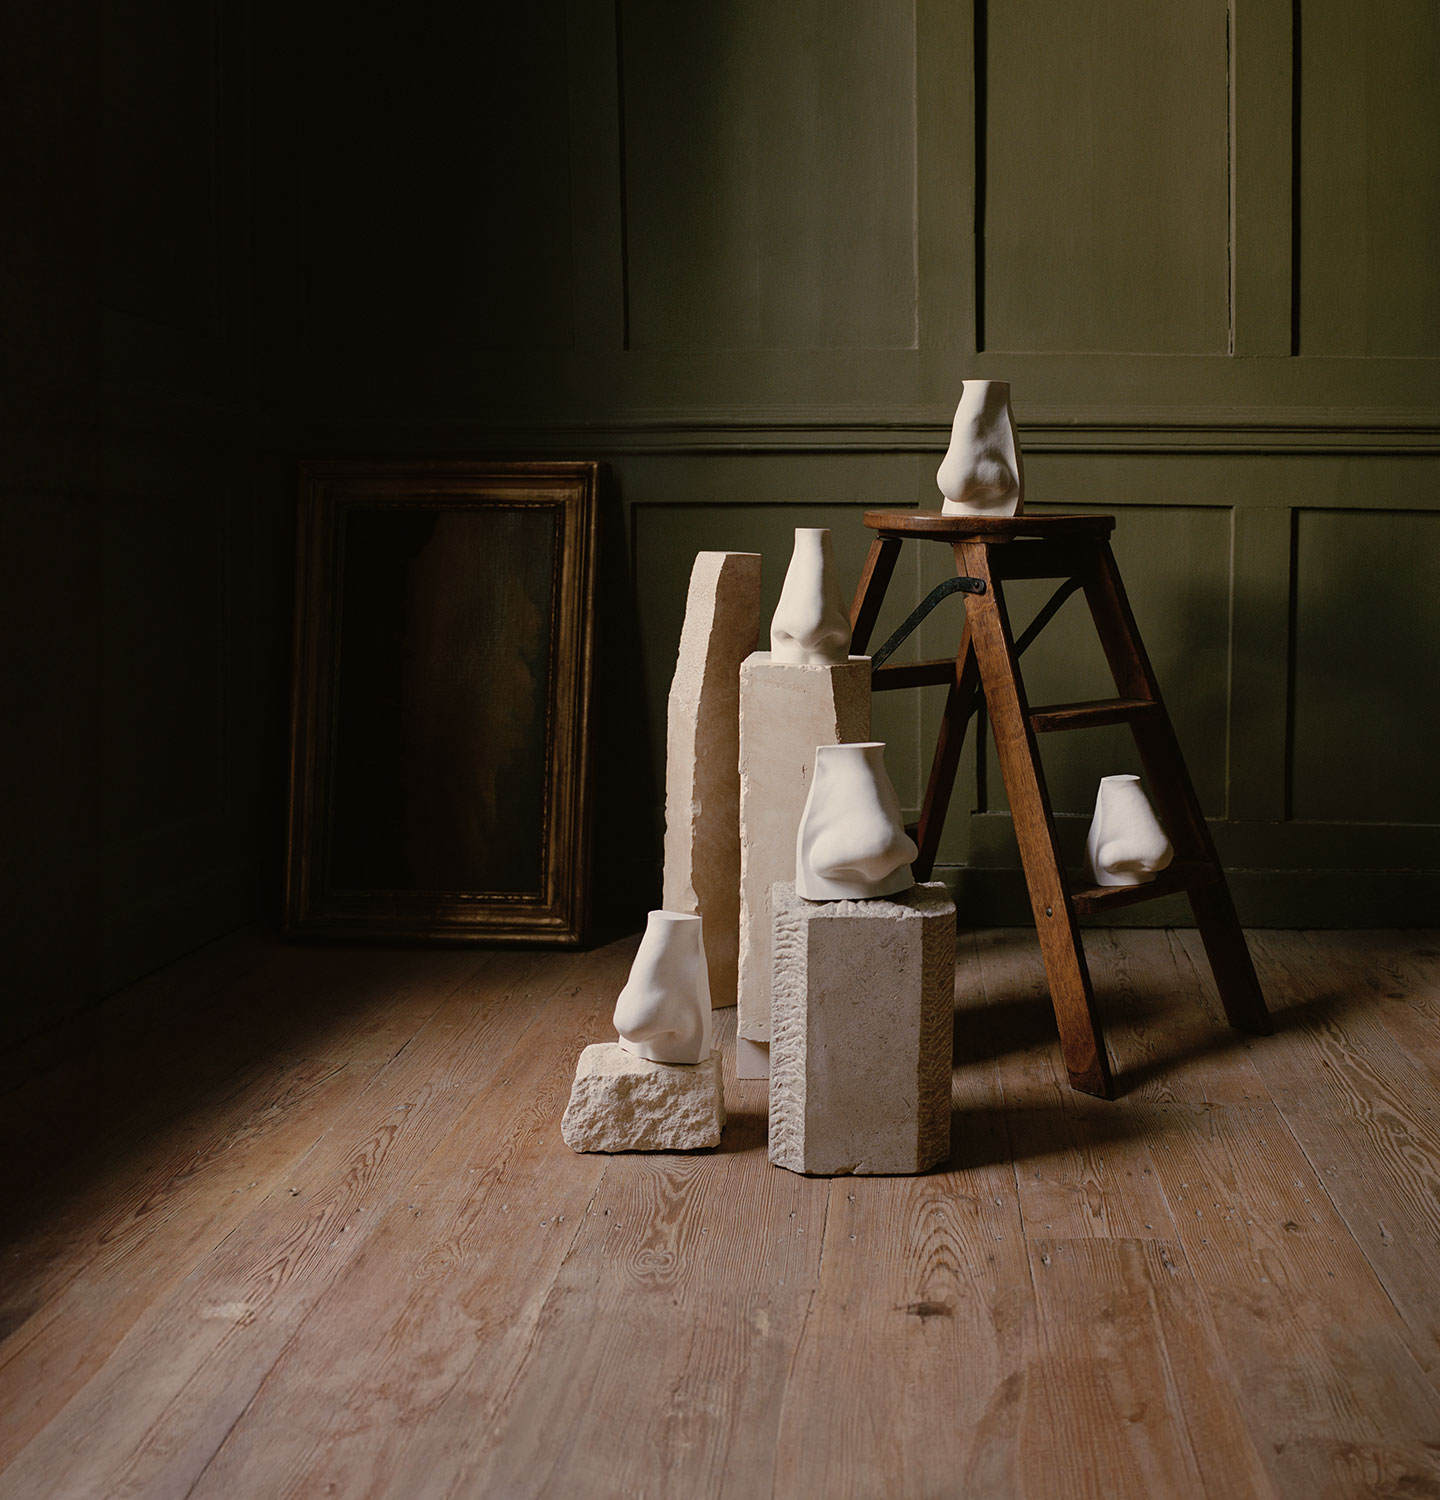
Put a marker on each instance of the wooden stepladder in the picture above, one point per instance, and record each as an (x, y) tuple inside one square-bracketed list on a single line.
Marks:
[(1075, 550)]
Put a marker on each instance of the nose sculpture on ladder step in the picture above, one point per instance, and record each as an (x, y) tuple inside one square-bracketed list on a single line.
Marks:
[(811, 624), (982, 473), (1126, 844), (852, 844)]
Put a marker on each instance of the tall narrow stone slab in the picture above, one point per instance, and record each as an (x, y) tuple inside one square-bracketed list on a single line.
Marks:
[(786, 710), (862, 1042), (702, 755)]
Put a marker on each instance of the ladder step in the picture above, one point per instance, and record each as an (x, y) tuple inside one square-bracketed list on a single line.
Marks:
[(1180, 876), (909, 674), (1056, 716)]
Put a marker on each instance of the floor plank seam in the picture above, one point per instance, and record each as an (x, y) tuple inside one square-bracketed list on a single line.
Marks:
[(799, 1345), (239, 1418), (1378, 1280)]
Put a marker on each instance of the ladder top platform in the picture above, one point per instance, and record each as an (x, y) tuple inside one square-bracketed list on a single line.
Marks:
[(934, 525)]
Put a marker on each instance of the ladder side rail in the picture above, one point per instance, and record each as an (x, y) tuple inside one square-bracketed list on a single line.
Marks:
[(870, 591), (1179, 806), (1071, 993), (960, 705)]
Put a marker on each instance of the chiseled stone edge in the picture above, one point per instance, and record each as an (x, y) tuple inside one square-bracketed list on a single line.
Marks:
[(937, 1020), (787, 1038)]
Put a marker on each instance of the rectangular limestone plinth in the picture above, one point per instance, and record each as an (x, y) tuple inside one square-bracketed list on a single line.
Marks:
[(862, 1025), (620, 1102), (786, 709)]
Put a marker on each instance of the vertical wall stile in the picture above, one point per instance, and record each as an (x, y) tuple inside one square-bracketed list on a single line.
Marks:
[(1261, 144), (1261, 638), (595, 80), (945, 143)]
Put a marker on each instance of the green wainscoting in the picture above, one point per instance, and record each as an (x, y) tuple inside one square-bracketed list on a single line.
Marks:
[(747, 254)]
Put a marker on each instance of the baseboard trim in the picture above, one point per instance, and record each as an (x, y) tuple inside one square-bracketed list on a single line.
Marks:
[(1263, 898)]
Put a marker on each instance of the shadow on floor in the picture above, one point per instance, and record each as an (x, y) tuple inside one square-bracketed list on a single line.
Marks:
[(148, 1082)]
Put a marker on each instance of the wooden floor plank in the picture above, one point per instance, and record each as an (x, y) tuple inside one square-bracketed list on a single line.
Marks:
[(185, 1202), (217, 1148), (1077, 1166), (1379, 1156), (909, 1376), (409, 1349), (1396, 982), (1391, 1208), (144, 1056), (1334, 1401), (1129, 1401), (1172, 1040), (689, 1311), (346, 1252), (180, 1375)]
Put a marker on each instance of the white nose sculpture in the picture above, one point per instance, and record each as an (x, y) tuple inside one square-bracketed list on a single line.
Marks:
[(852, 844), (1126, 845), (663, 1012), (982, 473), (811, 624)]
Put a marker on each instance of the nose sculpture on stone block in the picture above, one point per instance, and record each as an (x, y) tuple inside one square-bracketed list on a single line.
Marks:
[(852, 844), (811, 624), (663, 1012)]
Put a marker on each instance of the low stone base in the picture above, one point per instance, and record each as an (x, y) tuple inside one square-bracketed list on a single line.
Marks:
[(752, 1059), (620, 1102), (862, 1018)]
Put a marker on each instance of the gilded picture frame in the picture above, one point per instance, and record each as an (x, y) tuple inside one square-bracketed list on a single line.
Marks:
[(440, 746)]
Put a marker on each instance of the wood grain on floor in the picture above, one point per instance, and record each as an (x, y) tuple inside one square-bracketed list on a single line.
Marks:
[(298, 1221)]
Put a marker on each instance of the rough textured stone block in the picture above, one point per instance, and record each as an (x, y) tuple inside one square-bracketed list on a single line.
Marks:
[(786, 710), (863, 1032), (702, 754), (620, 1102)]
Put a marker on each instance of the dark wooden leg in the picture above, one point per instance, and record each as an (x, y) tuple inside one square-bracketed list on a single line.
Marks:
[(959, 706), (870, 592), (1229, 956), (1174, 794), (1081, 1043)]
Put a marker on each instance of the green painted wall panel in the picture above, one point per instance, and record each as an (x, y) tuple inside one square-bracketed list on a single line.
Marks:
[(1369, 177), (756, 259), (1106, 154), (433, 179), (770, 174), (1367, 667)]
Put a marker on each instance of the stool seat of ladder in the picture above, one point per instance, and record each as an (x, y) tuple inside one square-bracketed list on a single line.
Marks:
[(934, 525)]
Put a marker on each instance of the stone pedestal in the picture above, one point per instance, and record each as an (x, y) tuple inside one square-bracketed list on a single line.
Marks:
[(620, 1102), (862, 1032), (702, 752), (786, 710)]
